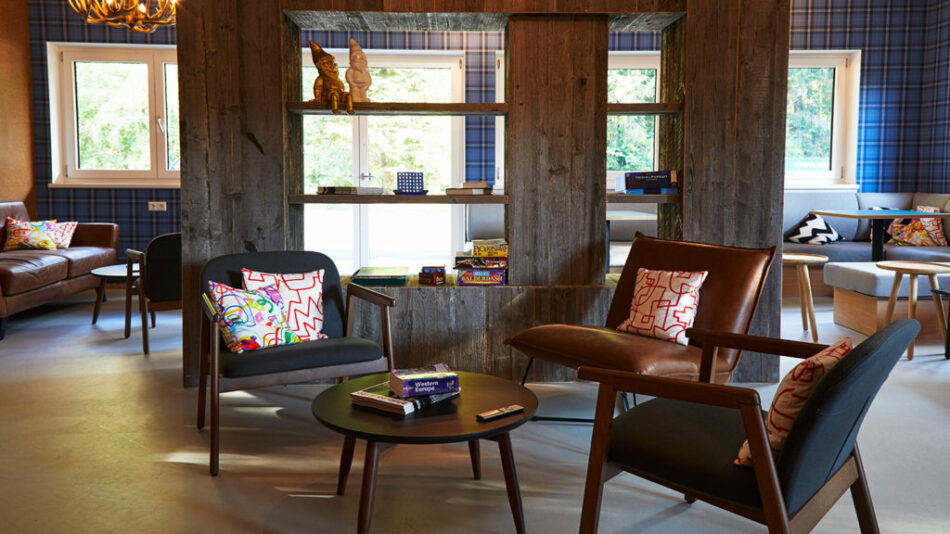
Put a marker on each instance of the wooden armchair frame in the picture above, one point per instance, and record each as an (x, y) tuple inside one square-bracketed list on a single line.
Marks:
[(773, 513), (210, 360)]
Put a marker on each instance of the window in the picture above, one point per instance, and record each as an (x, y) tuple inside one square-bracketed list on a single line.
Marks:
[(631, 139), (370, 150), (821, 122), (114, 116)]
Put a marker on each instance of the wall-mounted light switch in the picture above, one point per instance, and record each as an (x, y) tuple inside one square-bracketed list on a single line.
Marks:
[(157, 206)]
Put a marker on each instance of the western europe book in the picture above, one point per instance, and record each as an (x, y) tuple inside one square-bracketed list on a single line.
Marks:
[(430, 380), (381, 398)]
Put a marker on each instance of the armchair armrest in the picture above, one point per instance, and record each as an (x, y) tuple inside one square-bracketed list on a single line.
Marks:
[(134, 255), (672, 388), (96, 235), (209, 309), (385, 303), (711, 340), (374, 297)]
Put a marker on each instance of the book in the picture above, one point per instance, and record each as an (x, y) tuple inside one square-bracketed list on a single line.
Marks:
[(381, 398), (432, 279), (349, 190), (488, 248), (479, 184), (433, 269), (430, 380), (661, 191), (381, 276), (466, 260), (467, 191), (649, 182), (491, 277)]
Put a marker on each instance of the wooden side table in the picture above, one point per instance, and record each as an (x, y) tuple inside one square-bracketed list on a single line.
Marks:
[(914, 269), (801, 263)]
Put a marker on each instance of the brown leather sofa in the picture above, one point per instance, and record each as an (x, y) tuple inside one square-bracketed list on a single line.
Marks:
[(29, 278)]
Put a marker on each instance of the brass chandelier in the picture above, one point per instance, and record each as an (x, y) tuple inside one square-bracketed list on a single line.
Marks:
[(138, 15)]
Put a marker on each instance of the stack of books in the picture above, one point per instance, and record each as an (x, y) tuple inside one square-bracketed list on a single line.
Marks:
[(480, 187), (653, 182), (432, 275), (381, 276), (486, 265), (349, 190), (409, 390)]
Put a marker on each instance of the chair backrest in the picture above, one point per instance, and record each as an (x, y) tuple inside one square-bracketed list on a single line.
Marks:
[(163, 268), (727, 298), (227, 270), (822, 436)]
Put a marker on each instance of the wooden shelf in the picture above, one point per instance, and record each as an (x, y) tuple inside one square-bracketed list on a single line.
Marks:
[(644, 109), (619, 198), (398, 199), (405, 108)]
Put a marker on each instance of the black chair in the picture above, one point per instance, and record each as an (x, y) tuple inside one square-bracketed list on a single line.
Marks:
[(687, 438), (340, 355), (946, 336), (158, 283)]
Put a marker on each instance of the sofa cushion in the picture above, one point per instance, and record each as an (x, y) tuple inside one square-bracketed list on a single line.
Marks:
[(940, 201), (838, 251), (23, 270), (799, 202), (868, 279), (305, 355), (866, 201), (574, 346), (82, 260), (904, 253)]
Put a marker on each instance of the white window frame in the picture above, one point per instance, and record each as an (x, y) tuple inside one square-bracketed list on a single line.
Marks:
[(649, 59), (844, 128), (451, 59), (65, 170)]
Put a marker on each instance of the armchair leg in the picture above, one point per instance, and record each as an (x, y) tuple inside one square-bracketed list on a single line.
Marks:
[(214, 370), (3, 326), (527, 370), (862, 499), (143, 311), (202, 373), (598, 470)]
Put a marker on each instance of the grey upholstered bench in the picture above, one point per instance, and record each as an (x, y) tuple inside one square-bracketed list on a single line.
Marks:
[(861, 291)]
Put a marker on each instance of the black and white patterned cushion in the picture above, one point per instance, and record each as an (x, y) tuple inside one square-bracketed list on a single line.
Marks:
[(812, 230)]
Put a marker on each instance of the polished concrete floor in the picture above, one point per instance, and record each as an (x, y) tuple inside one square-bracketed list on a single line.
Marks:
[(96, 437)]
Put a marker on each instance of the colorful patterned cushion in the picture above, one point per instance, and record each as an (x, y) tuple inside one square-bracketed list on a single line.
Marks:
[(909, 232), (302, 294), (30, 234), (63, 234), (933, 226), (251, 320), (791, 395), (664, 304)]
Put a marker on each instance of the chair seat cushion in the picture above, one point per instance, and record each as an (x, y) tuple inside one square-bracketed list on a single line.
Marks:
[(574, 346), (689, 445), (23, 270), (82, 260), (305, 355)]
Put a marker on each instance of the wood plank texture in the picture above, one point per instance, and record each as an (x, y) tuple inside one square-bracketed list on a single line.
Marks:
[(232, 124), (556, 138), (670, 135), (736, 57), (398, 199), (641, 108), (404, 108)]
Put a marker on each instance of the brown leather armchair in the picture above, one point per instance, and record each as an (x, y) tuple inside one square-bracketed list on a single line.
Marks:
[(727, 300)]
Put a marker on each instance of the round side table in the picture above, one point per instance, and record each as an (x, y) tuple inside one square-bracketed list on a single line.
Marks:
[(914, 269), (801, 263)]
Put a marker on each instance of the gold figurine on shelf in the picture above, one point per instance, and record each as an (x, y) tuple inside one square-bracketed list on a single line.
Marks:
[(358, 74), (328, 89)]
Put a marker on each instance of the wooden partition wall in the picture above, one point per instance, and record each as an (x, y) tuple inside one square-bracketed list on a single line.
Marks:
[(723, 69)]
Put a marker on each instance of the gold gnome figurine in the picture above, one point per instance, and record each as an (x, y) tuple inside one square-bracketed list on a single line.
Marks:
[(328, 88)]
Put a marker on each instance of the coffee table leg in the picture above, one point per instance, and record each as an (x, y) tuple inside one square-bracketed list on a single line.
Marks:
[(511, 480), (475, 453), (100, 296), (369, 487), (346, 459)]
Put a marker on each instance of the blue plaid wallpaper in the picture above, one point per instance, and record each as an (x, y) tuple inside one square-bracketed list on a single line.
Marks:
[(54, 20), (934, 153), (904, 122)]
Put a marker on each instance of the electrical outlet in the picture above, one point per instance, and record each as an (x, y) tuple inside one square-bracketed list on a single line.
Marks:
[(157, 206)]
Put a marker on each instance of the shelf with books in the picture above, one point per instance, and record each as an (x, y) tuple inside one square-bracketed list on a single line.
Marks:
[(397, 199), (644, 108), (405, 108)]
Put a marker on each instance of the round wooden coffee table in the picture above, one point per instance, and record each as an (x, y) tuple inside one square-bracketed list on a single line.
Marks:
[(112, 274), (914, 269), (801, 263), (447, 422)]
